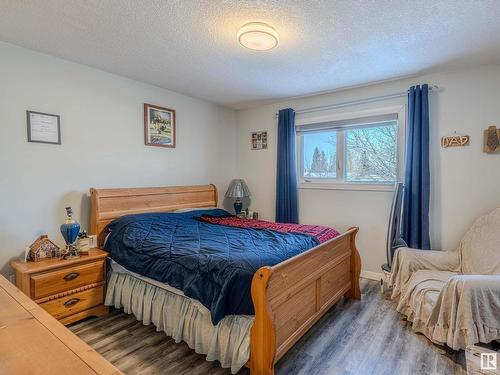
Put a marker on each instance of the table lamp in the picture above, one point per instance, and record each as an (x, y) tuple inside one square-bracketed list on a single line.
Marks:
[(237, 189)]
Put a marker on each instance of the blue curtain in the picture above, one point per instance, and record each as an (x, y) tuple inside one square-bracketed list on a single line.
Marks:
[(286, 177), (417, 175)]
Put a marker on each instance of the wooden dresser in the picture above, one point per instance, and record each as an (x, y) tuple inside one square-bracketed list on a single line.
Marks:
[(69, 290), (33, 342)]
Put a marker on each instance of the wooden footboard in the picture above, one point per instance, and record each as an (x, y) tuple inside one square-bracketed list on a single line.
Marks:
[(291, 296)]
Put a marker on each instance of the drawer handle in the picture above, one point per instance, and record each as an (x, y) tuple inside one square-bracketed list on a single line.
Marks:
[(71, 302), (71, 276)]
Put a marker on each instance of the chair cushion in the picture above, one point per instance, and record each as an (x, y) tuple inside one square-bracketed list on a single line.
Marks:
[(420, 296), (467, 311)]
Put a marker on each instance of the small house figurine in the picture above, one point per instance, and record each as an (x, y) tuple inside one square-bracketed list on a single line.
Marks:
[(43, 248)]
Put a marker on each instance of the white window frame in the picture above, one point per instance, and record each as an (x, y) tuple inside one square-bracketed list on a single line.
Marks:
[(339, 182)]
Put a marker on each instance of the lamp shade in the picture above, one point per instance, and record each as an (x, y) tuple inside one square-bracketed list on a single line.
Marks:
[(237, 189)]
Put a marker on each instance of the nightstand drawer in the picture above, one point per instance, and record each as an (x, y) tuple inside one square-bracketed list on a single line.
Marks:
[(74, 303), (46, 284)]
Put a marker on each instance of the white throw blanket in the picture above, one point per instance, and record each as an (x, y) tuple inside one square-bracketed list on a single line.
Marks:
[(467, 311), (453, 297)]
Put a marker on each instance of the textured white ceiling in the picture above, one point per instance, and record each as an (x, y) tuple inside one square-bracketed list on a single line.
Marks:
[(190, 46)]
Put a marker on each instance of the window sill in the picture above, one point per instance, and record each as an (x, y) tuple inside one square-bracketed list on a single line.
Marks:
[(351, 186)]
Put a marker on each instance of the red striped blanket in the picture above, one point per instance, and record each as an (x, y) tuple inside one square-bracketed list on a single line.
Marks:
[(320, 233)]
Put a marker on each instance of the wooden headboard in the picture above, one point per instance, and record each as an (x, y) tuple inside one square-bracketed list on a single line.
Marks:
[(109, 204)]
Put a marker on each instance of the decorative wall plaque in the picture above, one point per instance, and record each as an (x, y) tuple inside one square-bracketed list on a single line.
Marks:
[(455, 141), (491, 140)]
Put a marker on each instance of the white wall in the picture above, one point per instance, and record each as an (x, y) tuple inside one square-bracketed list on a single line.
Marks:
[(103, 146), (102, 143), (465, 181)]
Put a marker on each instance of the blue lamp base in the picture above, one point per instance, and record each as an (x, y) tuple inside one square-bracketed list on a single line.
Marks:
[(238, 205)]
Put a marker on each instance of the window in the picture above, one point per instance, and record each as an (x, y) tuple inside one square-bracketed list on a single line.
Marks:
[(353, 151), (371, 153), (320, 154)]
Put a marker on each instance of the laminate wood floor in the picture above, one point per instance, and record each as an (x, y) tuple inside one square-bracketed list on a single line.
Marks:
[(366, 337)]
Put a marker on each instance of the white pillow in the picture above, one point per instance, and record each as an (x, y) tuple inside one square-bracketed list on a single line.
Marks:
[(180, 210)]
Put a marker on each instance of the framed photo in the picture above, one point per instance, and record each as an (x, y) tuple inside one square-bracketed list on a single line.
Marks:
[(259, 140), (159, 126), (43, 127)]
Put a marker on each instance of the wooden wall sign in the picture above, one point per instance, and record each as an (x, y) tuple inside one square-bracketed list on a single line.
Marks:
[(491, 140), (455, 141)]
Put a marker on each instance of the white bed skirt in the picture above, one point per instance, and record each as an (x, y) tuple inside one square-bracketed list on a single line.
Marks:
[(181, 318)]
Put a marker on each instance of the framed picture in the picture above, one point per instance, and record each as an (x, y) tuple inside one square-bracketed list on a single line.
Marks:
[(159, 126), (259, 140), (43, 127)]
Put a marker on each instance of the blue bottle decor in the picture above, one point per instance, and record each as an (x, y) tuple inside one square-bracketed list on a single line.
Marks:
[(69, 231)]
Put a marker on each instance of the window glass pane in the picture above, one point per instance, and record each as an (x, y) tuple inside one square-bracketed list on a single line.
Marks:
[(320, 154), (371, 153)]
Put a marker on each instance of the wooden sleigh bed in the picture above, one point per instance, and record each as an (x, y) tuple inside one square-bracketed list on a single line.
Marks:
[(288, 297)]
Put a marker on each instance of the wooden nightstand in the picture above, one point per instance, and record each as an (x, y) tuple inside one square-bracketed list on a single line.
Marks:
[(69, 290)]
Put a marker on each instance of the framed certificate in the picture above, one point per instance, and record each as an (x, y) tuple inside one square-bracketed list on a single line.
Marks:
[(43, 128)]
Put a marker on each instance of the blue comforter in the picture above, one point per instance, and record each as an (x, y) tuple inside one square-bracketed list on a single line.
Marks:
[(213, 264)]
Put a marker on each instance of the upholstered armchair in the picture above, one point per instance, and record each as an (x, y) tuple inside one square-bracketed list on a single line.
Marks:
[(453, 297)]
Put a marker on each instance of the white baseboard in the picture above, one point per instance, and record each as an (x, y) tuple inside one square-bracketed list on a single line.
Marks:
[(371, 275)]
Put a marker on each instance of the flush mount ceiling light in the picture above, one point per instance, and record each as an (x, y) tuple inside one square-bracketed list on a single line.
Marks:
[(258, 36)]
